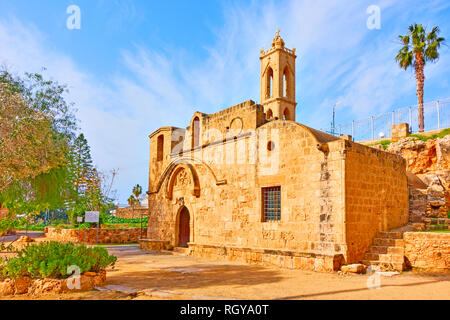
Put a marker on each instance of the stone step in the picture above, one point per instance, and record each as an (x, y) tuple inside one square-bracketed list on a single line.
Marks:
[(385, 266), (440, 221), (390, 235), (180, 250), (387, 249), (388, 242), (440, 227), (384, 257), (391, 258)]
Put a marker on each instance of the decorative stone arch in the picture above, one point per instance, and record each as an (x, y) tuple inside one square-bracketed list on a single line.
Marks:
[(269, 114), (190, 164), (269, 82), (173, 175)]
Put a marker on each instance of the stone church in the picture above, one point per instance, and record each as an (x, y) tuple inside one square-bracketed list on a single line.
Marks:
[(250, 184)]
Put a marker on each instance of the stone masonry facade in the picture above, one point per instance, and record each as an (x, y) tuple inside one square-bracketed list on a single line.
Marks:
[(428, 251), (250, 184)]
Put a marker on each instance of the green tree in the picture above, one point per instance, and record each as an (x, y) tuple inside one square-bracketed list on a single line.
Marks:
[(36, 129), (418, 48), (137, 191), (89, 194)]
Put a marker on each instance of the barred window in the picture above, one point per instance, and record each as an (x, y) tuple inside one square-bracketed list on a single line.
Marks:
[(271, 203)]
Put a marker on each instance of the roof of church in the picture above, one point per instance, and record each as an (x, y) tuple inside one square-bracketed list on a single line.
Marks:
[(321, 136)]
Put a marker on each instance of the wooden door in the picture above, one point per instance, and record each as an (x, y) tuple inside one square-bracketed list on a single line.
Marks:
[(184, 229)]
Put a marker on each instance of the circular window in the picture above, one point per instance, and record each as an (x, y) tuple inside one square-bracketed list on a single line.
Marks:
[(270, 146)]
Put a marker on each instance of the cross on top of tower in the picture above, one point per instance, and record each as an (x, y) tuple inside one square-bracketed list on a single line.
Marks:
[(278, 41)]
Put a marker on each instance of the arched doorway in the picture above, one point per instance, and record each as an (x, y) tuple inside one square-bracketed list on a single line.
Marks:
[(183, 228)]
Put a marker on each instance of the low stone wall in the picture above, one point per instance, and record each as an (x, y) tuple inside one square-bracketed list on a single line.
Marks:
[(153, 245), (269, 257), (428, 250), (90, 235), (21, 286), (129, 212)]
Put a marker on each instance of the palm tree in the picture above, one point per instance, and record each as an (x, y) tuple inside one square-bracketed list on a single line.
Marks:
[(419, 48), (137, 191), (132, 201)]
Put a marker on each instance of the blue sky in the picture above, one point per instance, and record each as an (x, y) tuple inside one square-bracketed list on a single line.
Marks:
[(135, 66)]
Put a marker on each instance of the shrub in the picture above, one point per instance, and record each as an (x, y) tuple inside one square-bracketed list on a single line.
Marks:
[(51, 260)]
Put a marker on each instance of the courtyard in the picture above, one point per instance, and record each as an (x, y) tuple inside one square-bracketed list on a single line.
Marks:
[(146, 275)]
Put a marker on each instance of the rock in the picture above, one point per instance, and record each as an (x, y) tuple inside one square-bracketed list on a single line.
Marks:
[(6, 288), (443, 152), (22, 285), (25, 239), (419, 226), (354, 268), (89, 274)]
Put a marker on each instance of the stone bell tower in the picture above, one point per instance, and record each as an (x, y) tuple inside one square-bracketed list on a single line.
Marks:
[(278, 80)]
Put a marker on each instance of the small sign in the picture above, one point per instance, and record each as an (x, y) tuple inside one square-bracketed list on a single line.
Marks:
[(91, 216), (79, 219)]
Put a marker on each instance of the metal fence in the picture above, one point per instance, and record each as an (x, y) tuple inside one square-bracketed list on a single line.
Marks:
[(436, 117)]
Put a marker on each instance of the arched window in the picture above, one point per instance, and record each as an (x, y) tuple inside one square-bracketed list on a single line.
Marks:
[(286, 114), (196, 132), (269, 83), (269, 114), (285, 82), (160, 148)]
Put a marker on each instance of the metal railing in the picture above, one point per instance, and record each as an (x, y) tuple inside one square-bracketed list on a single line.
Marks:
[(436, 117)]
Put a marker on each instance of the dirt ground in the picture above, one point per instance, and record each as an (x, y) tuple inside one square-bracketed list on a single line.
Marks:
[(142, 275)]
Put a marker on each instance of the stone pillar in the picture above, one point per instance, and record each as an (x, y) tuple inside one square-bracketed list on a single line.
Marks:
[(399, 131)]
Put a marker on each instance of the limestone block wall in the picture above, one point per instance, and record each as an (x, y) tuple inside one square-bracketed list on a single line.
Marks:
[(130, 213), (90, 235), (230, 213), (376, 196), (428, 250)]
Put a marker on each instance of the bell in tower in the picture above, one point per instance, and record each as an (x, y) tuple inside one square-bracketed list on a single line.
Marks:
[(278, 80)]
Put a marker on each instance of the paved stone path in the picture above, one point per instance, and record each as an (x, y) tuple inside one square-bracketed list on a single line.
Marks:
[(143, 275), (165, 276)]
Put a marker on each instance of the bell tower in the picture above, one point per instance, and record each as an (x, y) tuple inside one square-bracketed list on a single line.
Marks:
[(278, 80)]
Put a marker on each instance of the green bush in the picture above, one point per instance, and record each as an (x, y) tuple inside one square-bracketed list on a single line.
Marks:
[(448, 214), (51, 260), (112, 220)]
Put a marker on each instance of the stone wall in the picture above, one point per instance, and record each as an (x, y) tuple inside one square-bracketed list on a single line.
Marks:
[(376, 196), (428, 250), (269, 257), (90, 235), (131, 213), (88, 281)]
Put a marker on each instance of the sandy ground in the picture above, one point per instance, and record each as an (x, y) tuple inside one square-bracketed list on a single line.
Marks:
[(144, 275)]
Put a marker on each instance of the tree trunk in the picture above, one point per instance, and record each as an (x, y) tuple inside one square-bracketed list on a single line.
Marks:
[(420, 79)]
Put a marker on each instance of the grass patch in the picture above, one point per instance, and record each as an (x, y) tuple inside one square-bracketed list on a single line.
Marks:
[(384, 143), (436, 231), (441, 134)]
